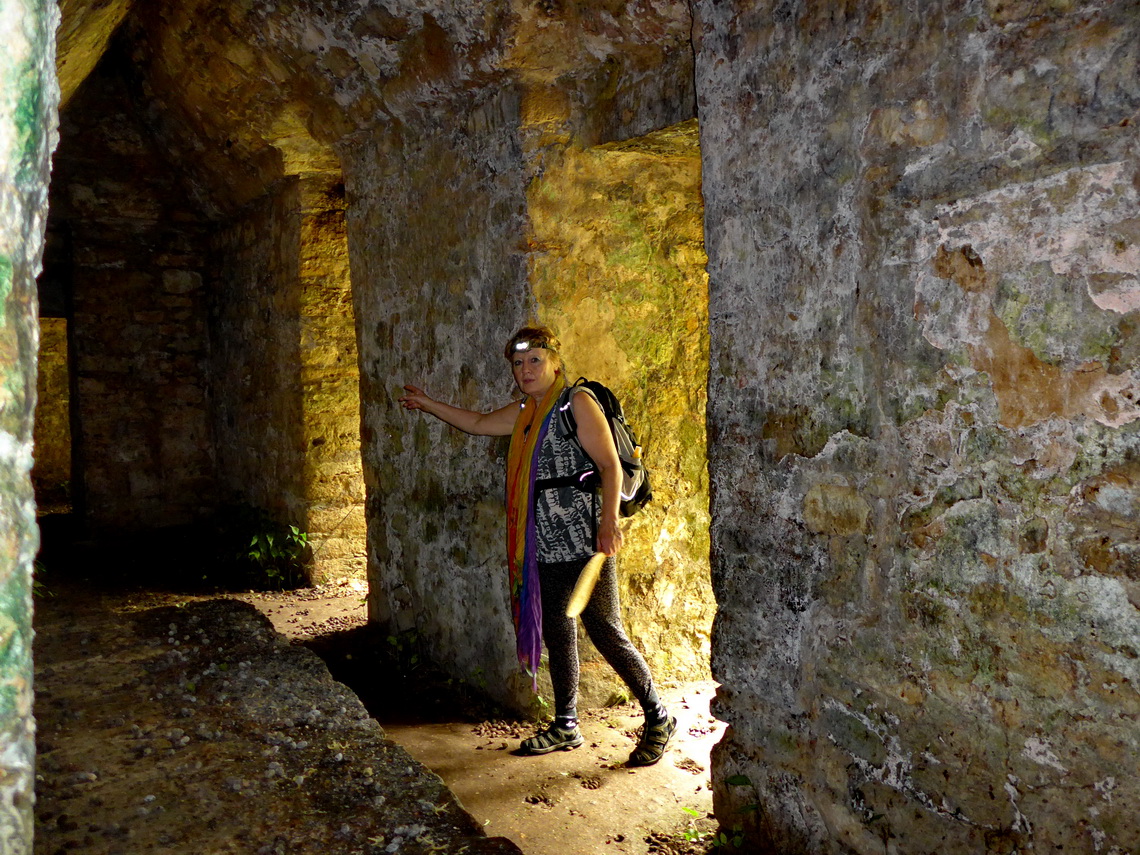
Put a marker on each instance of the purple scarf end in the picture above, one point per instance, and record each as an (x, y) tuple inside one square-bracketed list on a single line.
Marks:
[(529, 628), (529, 638)]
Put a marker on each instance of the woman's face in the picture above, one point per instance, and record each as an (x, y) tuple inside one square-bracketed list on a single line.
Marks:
[(535, 371)]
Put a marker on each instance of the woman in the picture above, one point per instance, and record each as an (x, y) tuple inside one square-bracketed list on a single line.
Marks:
[(552, 531)]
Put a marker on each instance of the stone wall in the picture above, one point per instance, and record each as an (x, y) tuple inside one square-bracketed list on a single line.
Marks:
[(923, 422), (618, 270), (84, 31), (439, 281), (202, 338), (330, 382), (29, 99), (139, 316), (284, 370), (255, 359), (51, 475)]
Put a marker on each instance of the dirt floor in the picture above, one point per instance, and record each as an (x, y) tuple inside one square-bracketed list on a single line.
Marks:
[(587, 796), (583, 801)]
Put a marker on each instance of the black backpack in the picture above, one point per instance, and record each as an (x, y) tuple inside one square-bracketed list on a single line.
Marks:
[(635, 488)]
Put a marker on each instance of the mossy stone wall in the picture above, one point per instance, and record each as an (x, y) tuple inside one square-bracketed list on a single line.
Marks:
[(29, 99), (923, 417)]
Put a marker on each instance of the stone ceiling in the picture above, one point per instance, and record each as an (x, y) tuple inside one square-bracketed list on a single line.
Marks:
[(243, 92)]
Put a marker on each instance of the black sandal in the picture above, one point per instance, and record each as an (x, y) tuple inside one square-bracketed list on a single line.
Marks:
[(651, 746), (554, 738)]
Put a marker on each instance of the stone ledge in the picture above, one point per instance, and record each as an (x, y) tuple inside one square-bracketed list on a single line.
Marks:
[(200, 729)]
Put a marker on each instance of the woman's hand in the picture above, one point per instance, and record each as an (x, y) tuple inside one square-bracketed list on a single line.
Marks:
[(500, 422), (610, 537), (414, 398)]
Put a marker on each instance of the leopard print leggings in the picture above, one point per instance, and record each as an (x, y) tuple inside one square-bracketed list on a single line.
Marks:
[(602, 619)]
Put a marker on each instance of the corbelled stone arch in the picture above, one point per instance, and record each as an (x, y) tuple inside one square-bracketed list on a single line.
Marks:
[(215, 361), (239, 113)]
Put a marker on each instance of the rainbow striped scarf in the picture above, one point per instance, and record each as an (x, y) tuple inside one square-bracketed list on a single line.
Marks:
[(522, 549)]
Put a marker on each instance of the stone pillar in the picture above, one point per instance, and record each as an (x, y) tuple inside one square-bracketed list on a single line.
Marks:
[(435, 225), (29, 98), (924, 423)]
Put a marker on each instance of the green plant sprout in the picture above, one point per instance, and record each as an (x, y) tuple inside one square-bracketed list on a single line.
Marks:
[(735, 838), (405, 651), (692, 834), (279, 555)]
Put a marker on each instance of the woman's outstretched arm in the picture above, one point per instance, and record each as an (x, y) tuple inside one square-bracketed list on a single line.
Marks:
[(499, 422)]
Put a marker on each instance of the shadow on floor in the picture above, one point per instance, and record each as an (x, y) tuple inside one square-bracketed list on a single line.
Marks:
[(583, 802)]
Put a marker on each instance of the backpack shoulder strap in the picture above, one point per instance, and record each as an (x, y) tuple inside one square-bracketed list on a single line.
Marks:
[(565, 408)]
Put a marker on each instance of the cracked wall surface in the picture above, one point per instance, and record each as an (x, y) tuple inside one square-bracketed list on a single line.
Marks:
[(29, 97), (923, 423)]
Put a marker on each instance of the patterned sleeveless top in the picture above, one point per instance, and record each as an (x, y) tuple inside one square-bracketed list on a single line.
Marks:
[(566, 518)]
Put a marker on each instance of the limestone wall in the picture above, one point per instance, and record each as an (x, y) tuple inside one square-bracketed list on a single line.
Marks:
[(923, 274), (330, 380), (139, 316), (255, 360), (28, 103), (439, 281), (618, 270), (51, 474)]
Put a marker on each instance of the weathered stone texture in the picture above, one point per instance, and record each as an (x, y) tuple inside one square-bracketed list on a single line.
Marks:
[(297, 80), (136, 274), (256, 357), (618, 270), (923, 269), (51, 474), (84, 31), (439, 281), (28, 103), (592, 73), (330, 379)]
